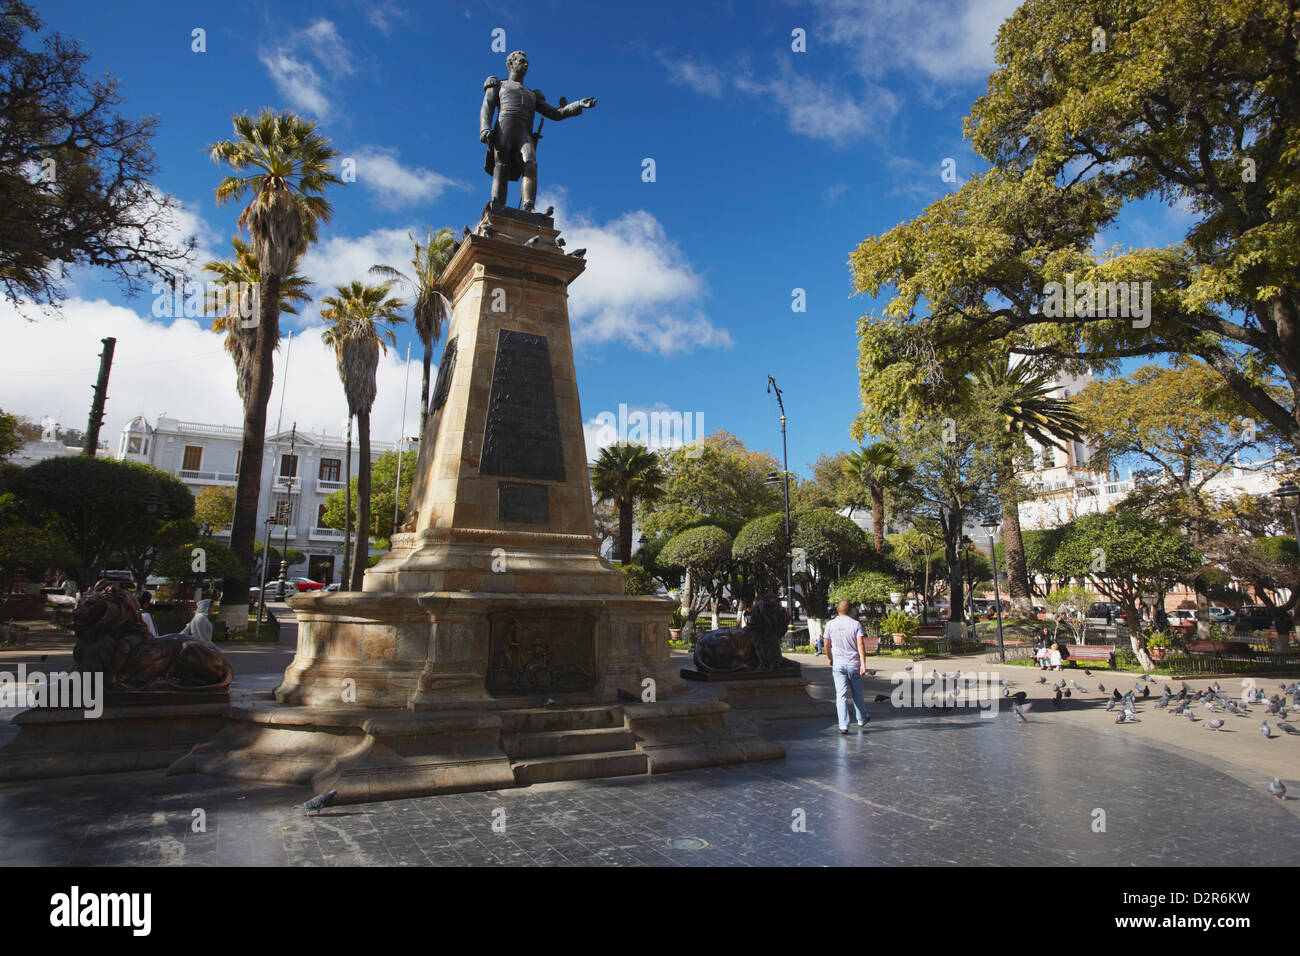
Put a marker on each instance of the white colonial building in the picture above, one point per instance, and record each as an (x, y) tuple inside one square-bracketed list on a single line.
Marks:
[(299, 471)]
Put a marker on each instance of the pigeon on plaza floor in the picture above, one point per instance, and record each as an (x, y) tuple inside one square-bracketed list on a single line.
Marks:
[(1101, 688), (1286, 728), (881, 698), (1215, 724), (1020, 710), (1263, 729), (1110, 705), (1087, 672), (1042, 680), (550, 701), (1067, 692), (1116, 695), (870, 673), (1019, 696), (1146, 692), (1081, 690), (1162, 703), (318, 802), (1277, 788), (1057, 699), (1127, 718)]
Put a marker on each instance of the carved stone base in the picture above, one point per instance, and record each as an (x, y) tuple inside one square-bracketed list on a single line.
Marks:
[(64, 743), (451, 650)]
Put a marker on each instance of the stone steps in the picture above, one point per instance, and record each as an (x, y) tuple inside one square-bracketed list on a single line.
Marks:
[(547, 720), (571, 743), (557, 743), (579, 766)]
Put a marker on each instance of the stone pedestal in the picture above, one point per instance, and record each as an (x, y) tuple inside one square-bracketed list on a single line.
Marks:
[(491, 645), (66, 743)]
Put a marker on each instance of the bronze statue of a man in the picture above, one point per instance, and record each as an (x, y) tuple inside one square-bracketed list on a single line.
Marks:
[(511, 142)]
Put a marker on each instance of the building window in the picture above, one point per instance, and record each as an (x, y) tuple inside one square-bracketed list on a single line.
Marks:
[(133, 446), (288, 466), (193, 460), (320, 516), (330, 469)]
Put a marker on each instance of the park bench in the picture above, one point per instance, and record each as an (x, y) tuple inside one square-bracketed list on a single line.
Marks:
[(1220, 648), (933, 632), (1103, 653)]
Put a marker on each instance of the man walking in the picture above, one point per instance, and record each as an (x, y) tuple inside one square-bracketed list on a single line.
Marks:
[(846, 653)]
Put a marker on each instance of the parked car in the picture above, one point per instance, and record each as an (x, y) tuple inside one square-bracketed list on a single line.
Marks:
[(1254, 617), (1182, 617), (1221, 615), (336, 586), (1104, 614), (273, 592), (307, 584)]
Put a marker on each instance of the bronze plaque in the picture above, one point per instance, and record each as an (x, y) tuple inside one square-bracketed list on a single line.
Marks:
[(523, 504), (541, 651), (522, 436), (445, 367)]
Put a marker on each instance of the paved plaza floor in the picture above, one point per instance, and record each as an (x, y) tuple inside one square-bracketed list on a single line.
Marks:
[(917, 787)]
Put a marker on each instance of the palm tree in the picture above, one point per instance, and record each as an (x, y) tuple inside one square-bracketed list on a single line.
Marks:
[(226, 300), (357, 312), (623, 475), (288, 167), (875, 469), (1021, 395), (430, 309)]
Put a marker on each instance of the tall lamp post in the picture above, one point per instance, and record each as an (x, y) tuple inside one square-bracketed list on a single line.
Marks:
[(772, 479), (990, 525), (288, 497), (1289, 494), (966, 545)]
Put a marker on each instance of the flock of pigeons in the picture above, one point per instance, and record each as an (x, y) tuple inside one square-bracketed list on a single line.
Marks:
[(1212, 701)]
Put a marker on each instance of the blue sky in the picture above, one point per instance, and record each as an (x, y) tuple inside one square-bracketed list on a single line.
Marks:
[(771, 166)]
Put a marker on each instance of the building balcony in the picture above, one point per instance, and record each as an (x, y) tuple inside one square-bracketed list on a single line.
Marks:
[(208, 477), (325, 534), (324, 487)]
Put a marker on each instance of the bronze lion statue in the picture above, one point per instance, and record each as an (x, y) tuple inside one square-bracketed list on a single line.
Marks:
[(755, 647), (112, 638)]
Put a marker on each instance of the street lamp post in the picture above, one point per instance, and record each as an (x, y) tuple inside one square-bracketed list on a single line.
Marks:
[(966, 545), (1289, 494), (785, 465), (990, 525), (288, 497)]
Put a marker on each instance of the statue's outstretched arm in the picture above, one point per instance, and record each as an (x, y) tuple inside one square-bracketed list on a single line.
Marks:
[(562, 112)]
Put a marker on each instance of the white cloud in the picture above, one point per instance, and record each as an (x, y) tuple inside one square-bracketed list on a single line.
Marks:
[(945, 40), (639, 288), (297, 78), (658, 427), (383, 13), (701, 77), (818, 109), (179, 368), (398, 185), (341, 259)]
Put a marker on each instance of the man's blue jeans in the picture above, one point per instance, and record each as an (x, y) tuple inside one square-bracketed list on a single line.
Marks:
[(848, 679)]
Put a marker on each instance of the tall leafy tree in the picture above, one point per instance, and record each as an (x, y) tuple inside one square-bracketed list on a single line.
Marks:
[(875, 469), (1094, 106), (1179, 429), (75, 175), (1020, 394), (718, 480), (623, 475), (1123, 556), (281, 167), (429, 312), (359, 314)]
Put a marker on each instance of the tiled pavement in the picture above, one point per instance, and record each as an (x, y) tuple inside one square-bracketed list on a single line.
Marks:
[(924, 788)]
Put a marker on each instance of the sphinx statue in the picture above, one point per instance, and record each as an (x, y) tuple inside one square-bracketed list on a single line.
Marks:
[(112, 638)]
